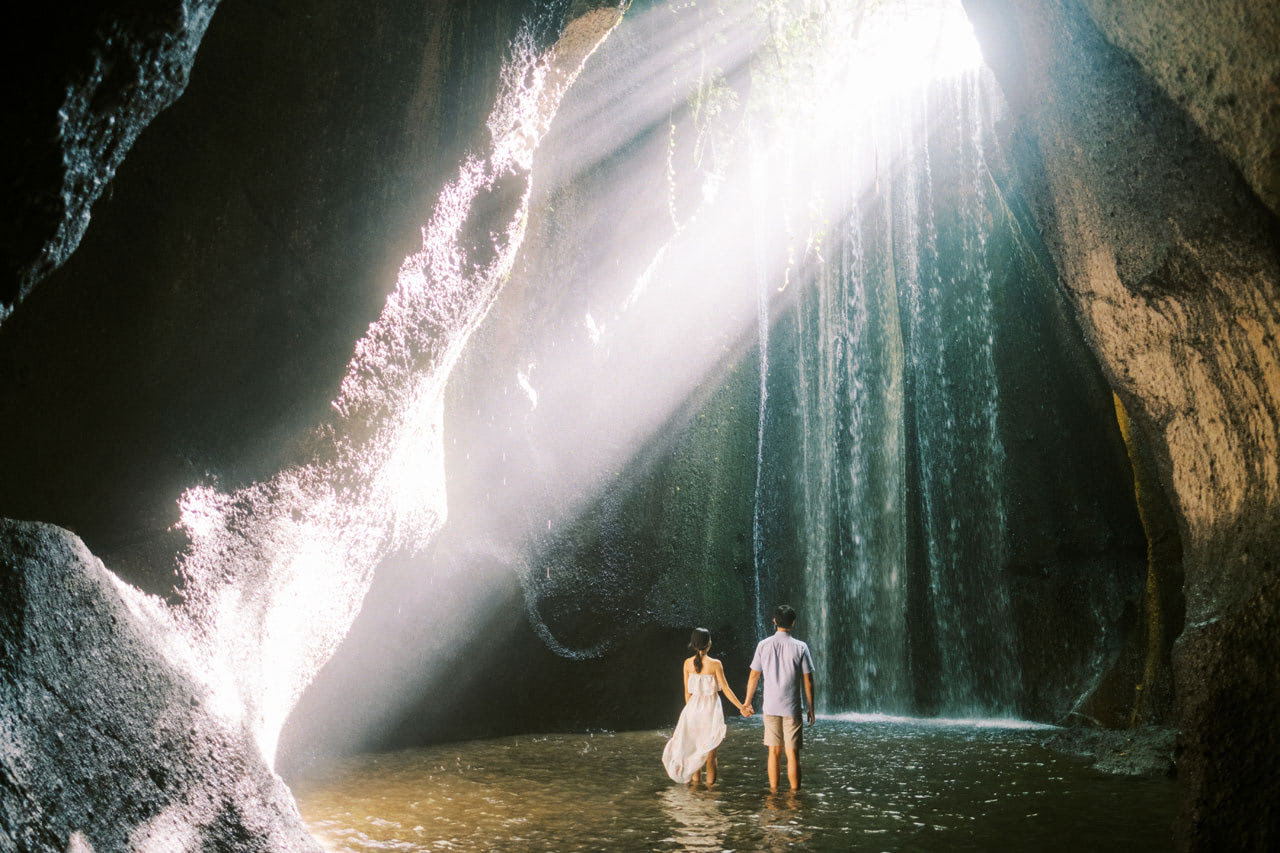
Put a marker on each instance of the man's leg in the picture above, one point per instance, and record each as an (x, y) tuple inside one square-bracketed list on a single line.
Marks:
[(792, 740), (793, 769), (773, 740)]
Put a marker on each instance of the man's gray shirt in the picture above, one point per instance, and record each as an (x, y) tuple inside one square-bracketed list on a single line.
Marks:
[(782, 658)]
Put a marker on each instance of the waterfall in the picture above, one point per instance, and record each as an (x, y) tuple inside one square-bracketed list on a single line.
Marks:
[(762, 325), (895, 355), (796, 383), (849, 369), (757, 532), (276, 571), (949, 308)]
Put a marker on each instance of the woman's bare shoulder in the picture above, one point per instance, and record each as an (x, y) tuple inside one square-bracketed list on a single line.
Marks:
[(715, 664)]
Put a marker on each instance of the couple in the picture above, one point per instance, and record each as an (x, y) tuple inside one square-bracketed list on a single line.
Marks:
[(785, 663)]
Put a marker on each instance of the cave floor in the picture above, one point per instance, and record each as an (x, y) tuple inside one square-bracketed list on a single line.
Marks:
[(868, 785)]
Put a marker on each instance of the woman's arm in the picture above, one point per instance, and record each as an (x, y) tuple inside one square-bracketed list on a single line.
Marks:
[(684, 680), (724, 686)]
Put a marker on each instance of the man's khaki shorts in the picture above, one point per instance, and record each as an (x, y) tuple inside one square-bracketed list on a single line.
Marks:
[(786, 732)]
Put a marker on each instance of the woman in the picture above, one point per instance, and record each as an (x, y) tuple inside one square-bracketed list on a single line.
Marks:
[(701, 725)]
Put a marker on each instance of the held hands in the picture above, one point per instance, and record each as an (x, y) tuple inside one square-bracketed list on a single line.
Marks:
[(746, 710)]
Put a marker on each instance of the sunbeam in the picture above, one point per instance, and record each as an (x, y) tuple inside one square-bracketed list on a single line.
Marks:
[(704, 157)]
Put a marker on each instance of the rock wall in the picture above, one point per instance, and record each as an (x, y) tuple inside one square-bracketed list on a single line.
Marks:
[(1171, 262), (1218, 61)]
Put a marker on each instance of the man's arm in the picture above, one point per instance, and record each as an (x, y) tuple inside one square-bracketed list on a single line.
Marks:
[(750, 694), (808, 695)]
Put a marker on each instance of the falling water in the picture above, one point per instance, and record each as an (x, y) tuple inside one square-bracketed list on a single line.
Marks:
[(949, 307), (877, 498), (895, 356), (851, 438), (757, 529), (841, 228)]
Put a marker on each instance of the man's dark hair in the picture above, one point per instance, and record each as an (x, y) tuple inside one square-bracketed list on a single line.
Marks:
[(784, 615)]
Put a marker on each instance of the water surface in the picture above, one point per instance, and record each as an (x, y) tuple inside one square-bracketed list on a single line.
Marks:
[(869, 784)]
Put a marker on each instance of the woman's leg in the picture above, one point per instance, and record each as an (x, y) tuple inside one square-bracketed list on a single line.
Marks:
[(711, 768)]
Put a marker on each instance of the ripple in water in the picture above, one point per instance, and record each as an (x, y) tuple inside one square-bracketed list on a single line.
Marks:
[(869, 785)]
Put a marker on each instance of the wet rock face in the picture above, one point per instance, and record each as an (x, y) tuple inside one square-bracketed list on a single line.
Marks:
[(104, 741), (85, 83), (1229, 700), (1172, 264)]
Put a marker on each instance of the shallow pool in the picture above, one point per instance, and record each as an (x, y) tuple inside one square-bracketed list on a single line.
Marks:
[(869, 784)]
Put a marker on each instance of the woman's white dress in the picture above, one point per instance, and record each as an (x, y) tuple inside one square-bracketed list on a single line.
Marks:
[(700, 729)]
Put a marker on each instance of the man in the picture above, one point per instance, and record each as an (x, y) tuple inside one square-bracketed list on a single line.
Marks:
[(785, 662)]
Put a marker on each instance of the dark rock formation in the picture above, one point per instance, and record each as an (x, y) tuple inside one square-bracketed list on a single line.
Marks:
[(84, 80), (1144, 751), (1173, 266), (1164, 607), (105, 739)]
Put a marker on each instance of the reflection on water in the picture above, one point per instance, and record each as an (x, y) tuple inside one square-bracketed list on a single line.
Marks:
[(781, 824), (869, 785), (696, 817)]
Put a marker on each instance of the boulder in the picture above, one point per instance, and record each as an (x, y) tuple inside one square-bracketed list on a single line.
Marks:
[(106, 743)]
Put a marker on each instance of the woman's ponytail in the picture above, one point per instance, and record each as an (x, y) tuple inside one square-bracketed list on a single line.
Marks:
[(699, 642)]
